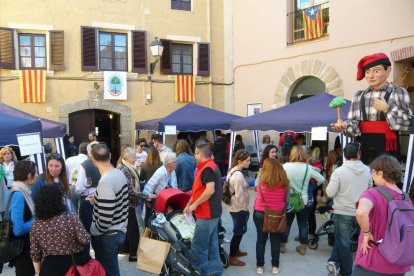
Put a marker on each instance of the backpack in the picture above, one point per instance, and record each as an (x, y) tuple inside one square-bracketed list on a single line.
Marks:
[(226, 195), (10, 246), (287, 143), (398, 242)]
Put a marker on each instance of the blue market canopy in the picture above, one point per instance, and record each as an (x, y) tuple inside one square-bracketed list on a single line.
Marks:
[(50, 129), (191, 117), (10, 126), (299, 116)]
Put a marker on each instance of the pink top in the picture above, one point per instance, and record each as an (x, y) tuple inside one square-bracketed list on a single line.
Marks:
[(275, 198), (374, 260)]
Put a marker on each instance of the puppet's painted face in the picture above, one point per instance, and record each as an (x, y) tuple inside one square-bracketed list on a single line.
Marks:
[(377, 76)]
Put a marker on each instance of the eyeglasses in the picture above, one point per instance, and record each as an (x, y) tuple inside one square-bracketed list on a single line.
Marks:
[(143, 146)]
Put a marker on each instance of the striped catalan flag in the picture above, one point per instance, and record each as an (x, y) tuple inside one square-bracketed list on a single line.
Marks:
[(313, 22), (32, 86), (184, 88)]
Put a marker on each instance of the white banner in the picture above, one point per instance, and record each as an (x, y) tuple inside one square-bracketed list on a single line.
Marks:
[(29, 143), (115, 85)]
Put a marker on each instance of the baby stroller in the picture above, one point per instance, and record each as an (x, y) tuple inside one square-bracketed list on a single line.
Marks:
[(327, 228), (170, 225)]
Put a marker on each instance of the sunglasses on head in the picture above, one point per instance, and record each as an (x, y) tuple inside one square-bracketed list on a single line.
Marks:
[(55, 156)]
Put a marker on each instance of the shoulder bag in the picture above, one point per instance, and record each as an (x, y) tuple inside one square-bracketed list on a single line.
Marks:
[(295, 201), (10, 246), (274, 221)]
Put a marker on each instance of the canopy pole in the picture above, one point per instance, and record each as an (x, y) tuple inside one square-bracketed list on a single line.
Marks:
[(60, 147), (408, 175), (39, 160), (232, 140), (256, 143)]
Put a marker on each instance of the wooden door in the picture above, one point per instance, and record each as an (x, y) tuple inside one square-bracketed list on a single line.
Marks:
[(80, 124)]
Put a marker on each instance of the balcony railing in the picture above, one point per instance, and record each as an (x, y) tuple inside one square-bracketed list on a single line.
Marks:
[(296, 23)]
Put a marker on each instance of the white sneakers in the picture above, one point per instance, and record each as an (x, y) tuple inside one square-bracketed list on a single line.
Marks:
[(260, 270), (332, 268)]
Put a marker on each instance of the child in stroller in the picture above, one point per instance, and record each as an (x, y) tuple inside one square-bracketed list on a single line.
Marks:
[(171, 225)]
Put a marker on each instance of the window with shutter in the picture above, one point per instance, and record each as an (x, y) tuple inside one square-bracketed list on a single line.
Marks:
[(203, 59), (89, 51), (7, 58), (182, 59), (113, 54), (57, 47), (166, 57), (32, 51), (139, 51)]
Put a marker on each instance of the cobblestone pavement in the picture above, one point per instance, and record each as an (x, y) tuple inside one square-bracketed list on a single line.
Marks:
[(291, 263)]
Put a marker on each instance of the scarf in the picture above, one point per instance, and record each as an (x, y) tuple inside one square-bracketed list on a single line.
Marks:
[(134, 173), (26, 191)]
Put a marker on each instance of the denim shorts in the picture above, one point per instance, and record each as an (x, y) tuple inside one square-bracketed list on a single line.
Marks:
[(240, 220)]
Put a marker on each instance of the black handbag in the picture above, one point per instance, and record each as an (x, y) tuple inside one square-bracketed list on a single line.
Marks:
[(10, 246)]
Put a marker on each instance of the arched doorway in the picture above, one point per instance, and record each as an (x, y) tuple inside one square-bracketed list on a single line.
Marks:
[(105, 124), (306, 87)]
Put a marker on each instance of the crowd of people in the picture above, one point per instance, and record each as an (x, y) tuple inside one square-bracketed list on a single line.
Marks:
[(82, 200)]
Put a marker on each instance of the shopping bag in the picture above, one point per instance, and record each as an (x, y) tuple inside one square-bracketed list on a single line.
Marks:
[(152, 254)]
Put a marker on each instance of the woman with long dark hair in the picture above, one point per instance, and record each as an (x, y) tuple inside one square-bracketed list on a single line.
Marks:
[(55, 175), (148, 169), (270, 151)]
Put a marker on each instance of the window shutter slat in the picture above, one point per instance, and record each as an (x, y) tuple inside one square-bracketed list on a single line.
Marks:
[(139, 51), (166, 57), (57, 50), (203, 59), (89, 49), (7, 57)]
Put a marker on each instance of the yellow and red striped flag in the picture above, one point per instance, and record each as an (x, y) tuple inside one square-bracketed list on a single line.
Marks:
[(313, 23), (184, 88), (32, 86)]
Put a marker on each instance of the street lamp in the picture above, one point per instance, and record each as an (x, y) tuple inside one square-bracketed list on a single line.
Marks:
[(156, 51)]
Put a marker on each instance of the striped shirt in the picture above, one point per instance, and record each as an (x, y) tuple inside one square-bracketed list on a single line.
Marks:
[(110, 211), (398, 115)]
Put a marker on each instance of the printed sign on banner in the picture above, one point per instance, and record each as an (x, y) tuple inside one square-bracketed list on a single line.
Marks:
[(115, 85), (170, 129), (319, 133), (29, 143)]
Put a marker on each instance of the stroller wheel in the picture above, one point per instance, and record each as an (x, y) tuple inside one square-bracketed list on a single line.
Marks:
[(224, 257), (313, 244)]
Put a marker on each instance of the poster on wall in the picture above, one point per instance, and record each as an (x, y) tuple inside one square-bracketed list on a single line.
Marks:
[(115, 85), (253, 109)]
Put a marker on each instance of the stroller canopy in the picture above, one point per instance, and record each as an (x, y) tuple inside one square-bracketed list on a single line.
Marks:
[(170, 197)]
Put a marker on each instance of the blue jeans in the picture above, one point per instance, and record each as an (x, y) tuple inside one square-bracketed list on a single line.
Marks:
[(205, 245), (302, 220), (345, 227), (106, 249), (275, 238)]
